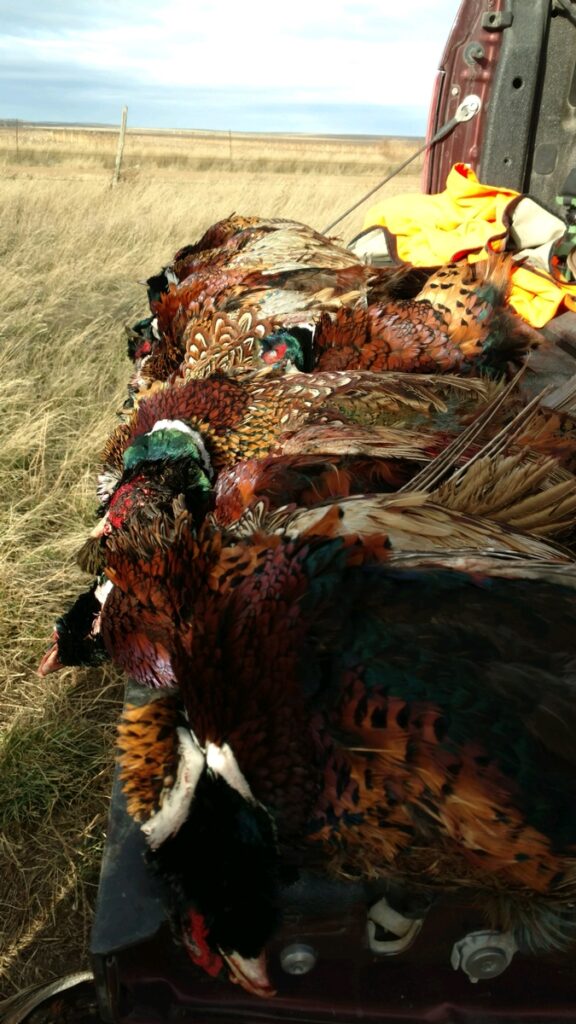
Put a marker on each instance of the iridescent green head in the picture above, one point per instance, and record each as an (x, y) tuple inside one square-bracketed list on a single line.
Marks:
[(282, 347), (171, 441)]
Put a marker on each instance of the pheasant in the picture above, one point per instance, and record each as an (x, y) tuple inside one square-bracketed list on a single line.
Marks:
[(228, 342), (239, 241), (339, 313), (279, 271), (278, 267), (186, 433), (458, 323), (247, 418), (245, 338), (507, 479), (406, 418), (523, 506), (452, 325), (369, 713), (520, 502), (188, 319), (156, 465), (168, 471)]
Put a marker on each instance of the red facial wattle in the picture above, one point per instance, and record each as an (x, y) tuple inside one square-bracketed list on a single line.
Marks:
[(195, 940), (143, 350), (129, 496), (274, 355)]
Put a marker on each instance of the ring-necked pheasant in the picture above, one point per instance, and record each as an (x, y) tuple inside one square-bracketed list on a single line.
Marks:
[(458, 323), (348, 316), (245, 418), (520, 502), (184, 434), (378, 707), (277, 268), (170, 472)]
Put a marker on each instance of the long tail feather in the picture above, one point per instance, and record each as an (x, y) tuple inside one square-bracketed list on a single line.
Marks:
[(509, 489), (432, 474)]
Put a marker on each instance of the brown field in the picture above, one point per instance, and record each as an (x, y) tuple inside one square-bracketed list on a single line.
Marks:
[(73, 252), (175, 154)]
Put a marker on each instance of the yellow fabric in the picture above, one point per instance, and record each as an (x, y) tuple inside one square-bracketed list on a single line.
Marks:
[(466, 220)]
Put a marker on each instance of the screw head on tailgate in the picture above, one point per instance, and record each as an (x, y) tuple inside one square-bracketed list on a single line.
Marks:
[(483, 955), (298, 958)]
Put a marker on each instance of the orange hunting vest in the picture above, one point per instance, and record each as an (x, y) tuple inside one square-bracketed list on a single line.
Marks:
[(469, 220)]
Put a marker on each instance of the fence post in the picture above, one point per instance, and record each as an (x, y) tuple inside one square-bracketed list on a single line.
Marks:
[(120, 149)]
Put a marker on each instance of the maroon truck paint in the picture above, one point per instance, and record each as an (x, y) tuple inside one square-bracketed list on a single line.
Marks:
[(460, 75)]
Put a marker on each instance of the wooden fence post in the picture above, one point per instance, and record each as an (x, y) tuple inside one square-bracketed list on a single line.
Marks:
[(120, 149)]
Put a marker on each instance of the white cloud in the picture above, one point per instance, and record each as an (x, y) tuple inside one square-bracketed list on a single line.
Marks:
[(354, 56), (341, 52)]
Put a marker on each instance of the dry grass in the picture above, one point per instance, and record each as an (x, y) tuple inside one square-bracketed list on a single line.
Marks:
[(72, 256), (174, 154)]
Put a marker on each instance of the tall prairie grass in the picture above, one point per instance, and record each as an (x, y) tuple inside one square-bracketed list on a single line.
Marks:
[(177, 153), (73, 253)]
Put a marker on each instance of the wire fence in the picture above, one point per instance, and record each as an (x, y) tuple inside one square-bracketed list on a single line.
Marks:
[(30, 149)]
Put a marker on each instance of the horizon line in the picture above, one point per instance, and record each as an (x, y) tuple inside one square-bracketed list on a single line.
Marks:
[(9, 122)]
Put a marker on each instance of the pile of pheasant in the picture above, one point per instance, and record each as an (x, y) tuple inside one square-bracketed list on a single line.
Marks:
[(336, 543)]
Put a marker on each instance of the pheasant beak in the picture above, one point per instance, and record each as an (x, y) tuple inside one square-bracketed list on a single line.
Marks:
[(100, 528), (51, 661), (250, 974)]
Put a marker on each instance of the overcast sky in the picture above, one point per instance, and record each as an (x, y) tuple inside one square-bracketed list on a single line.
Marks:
[(344, 66)]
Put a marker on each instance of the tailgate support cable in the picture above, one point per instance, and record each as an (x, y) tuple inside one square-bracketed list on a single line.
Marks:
[(468, 109)]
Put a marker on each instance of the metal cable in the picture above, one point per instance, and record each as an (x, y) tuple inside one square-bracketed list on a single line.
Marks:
[(462, 114)]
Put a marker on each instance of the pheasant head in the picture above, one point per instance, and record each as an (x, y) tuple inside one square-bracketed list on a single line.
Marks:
[(169, 440), (76, 639), (167, 463), (281, 347), (208, 838), (224, 863), (176, 454), (235, 341)]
